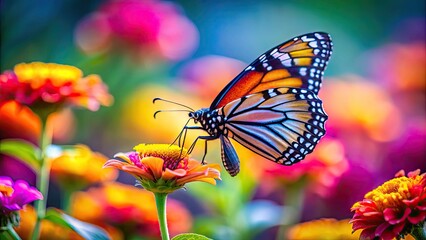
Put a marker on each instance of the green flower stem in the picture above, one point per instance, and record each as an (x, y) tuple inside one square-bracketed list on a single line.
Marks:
[(419, 233), (13, 233), (66, 200), (42, 176), (160, 201), (294, 197)]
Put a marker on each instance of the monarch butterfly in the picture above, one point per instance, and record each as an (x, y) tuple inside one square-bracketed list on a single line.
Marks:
[(271, 107)]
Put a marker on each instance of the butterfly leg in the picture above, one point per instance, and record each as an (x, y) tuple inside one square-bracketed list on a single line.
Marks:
[(206, 139), (178, 138)]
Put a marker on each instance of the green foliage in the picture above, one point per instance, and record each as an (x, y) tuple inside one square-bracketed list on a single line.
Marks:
[(190, 236), (235, 214), (22, 150), (86, 230)]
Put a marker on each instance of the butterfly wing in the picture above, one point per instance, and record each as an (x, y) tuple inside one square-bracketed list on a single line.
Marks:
[(280, 124), (297, 63)]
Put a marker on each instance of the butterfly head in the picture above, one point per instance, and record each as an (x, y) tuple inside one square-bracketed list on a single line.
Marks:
[(197, 115)]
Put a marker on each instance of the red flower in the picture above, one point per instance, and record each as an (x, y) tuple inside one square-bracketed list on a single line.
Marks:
[(49, 85), (393, 208)]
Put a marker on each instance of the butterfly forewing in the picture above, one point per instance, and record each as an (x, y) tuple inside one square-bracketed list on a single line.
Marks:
[(297, 63), (280, 124)]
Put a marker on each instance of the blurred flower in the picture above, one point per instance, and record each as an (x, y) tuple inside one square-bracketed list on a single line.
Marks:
[(49, 230), (77, 167), (404, 77), (320, 169), (18, 121), (326, 228), (49, 85), (150, 27), (355, 106), (349, 188), (13, 197), (134, 216), (400, 67), (410, 147), (212, 71), (164, 168), (393, 208)]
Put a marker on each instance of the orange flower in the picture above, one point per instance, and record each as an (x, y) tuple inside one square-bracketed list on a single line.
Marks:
[(77, 167), (111, 205), (326, 228), (49, 85), (393, 209), (164, 168), (361, 106)]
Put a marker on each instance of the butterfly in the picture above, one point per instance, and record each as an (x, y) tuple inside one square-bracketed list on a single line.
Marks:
[(271, 107)]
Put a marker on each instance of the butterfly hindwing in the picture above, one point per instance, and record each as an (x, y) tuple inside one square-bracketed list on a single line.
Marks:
[(280, 124), (297, 63)]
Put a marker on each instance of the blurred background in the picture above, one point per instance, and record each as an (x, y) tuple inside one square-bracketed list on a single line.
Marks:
[(186, 51)]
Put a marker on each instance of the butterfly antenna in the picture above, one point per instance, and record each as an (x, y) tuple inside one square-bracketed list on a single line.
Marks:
[(172, 110), (165, 100), (180, 134)]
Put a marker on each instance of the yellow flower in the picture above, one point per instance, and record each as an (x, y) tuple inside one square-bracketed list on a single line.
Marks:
[(164, 168), (326, 228), (77, 167)]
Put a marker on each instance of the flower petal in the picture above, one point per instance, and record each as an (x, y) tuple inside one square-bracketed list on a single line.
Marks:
[(155, 165), (169, 174), (123, 156)]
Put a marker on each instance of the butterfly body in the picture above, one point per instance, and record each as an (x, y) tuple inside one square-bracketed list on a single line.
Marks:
[(272, 107)]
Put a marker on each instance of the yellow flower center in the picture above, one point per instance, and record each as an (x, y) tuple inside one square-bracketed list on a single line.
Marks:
[(173, 156), (6, 190), (391, 193), (37, 73)]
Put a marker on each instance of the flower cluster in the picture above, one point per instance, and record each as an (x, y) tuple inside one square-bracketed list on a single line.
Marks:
[(40, 85), (164, 168), (13, 197), (392, 209), (148, 26)]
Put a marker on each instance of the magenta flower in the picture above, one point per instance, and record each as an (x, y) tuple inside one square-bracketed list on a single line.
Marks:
[(13, 197)]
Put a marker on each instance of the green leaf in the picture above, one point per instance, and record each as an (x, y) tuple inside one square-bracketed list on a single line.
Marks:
[(86, 230), (22, 150), (190, 236)]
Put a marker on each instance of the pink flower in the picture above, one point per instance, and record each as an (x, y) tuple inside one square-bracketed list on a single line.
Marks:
[(146, 27), (13, 197)]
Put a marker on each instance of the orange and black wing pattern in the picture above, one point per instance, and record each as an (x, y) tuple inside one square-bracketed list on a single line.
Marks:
[(297, 63)]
